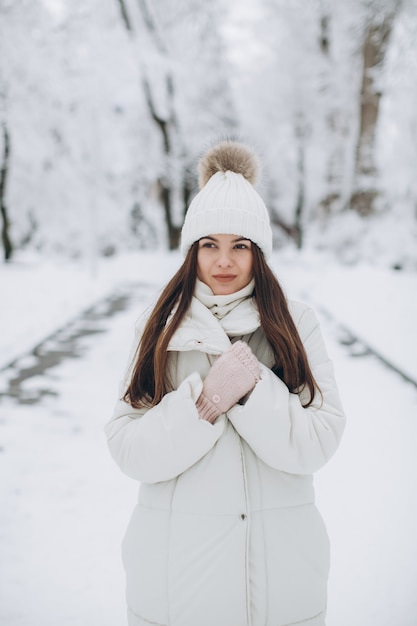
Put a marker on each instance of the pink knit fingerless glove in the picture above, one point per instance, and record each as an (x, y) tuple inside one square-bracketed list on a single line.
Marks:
[(231, 377)]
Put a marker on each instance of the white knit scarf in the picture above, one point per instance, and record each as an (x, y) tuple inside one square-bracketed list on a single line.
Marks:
[(237, 312)]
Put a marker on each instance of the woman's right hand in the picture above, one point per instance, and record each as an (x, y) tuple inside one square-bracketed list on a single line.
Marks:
[(233, 375)]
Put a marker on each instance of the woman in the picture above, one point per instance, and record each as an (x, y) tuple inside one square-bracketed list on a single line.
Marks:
[(229, 407)]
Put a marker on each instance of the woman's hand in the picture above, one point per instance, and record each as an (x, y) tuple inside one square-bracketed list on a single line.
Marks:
[(230, 378)]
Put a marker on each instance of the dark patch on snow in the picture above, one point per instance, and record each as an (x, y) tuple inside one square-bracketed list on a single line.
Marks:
[(65, 343), (358, 347)]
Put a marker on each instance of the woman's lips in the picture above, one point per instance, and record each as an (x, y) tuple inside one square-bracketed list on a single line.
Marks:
[(224, 278)]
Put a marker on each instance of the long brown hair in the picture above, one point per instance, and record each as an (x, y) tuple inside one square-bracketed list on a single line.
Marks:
[(291, 362), (150, 381)]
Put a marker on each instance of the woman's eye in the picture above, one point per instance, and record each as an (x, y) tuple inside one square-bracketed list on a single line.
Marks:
[(242, 246), (207, 244)]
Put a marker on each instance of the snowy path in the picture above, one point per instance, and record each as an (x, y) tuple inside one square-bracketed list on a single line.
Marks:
[(368, 497), (65, 504)]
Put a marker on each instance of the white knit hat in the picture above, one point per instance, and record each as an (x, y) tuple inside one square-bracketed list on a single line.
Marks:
[(227, 202)]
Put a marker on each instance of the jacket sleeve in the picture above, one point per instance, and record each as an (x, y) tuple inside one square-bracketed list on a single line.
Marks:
[(274, 423), (157, 444)]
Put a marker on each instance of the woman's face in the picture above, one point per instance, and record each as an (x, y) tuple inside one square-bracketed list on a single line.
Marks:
[(224, 263)]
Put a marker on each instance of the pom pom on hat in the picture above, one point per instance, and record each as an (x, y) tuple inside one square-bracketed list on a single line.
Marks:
[(229, 156), (227, 202)]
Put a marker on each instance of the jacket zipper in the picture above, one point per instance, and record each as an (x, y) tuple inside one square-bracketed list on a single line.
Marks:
[(247, 521)]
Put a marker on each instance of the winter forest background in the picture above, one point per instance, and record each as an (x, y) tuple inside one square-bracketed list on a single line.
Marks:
[(105, 105)]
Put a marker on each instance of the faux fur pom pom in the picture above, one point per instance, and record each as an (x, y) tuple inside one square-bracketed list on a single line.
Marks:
[(229, 156)]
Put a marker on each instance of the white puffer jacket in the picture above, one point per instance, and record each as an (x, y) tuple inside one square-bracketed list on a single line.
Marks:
[(225, 532)]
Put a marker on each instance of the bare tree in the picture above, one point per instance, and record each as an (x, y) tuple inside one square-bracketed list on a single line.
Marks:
[(167, 123), (375, 45), (184, 88), (125, 16), (4, 170), (166, 119), (4, 163), (295, 228), (335, 116)]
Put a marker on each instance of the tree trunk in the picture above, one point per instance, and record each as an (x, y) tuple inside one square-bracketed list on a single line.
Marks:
[(295, 230), (5, 229), (167, 128), (174, 232), (300, 133), (170, 182), (166, 122), (125, 16), (336, 122), (334, 201), (299, 208), (377, 36)]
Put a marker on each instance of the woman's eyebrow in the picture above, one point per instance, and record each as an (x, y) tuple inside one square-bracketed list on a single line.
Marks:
[(216, 240)]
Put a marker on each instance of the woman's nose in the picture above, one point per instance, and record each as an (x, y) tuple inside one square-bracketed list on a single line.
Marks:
[(224, 260)]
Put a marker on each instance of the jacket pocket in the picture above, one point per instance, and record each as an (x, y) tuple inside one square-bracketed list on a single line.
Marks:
[(298, 560), (144, 554)]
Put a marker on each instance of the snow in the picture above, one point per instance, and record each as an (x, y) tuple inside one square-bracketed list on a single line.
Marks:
[(65, 504), (376, 304), (45, 294)]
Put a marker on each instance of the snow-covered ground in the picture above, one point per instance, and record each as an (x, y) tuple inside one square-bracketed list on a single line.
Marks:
[(65, 505)]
